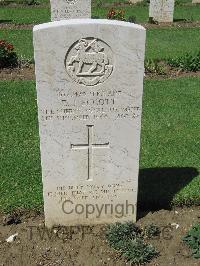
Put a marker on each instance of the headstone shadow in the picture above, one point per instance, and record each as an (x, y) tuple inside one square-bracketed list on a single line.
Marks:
[(180, 20), (157, 186), (5, 21)]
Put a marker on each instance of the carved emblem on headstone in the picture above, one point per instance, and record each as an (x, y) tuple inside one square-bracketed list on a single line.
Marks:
[(71, 1), (89, 61)]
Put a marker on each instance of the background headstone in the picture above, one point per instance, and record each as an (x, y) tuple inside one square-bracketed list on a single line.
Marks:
[(70, 9), (196, 1), (89, 91), (134, 1), (161, 10)]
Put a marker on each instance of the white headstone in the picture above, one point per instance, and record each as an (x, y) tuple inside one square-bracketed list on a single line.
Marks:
[(134, 1), (195, 1), (161, 10), (70, 9), (89, 77)]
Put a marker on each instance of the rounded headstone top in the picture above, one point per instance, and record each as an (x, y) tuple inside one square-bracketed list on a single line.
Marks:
[(86, 21)]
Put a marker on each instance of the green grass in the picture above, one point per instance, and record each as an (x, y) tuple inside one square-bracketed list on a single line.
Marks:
[(39, 14), (161, 43), (140, 12), (172, 42), (22, 41), (170, 138), (25, 15), (25, 1), (20, 176), (191, 13)]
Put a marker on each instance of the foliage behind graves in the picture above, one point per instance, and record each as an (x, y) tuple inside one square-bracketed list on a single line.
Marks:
[(143, 3), (8, 57), (116, 14), (132, 19), (186, 62), (154, 67), (119, 14), (128, 238), (192, 239)]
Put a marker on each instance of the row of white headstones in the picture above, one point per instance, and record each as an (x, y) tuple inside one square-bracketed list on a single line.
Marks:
[(89, 80), (159, 10)]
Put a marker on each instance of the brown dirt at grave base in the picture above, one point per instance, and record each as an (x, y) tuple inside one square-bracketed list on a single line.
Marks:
[(28, 73), (88, 246), (25, 73), (173, 74), (177, 24), (116, 4), (10, 26)]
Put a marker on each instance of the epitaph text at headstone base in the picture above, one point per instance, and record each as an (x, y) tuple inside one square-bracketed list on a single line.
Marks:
[(89, 91), (161, 10), (70, 9)]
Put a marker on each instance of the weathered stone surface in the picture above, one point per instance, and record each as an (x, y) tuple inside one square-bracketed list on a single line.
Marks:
[(89, 89), (70, 9), (161, 10)]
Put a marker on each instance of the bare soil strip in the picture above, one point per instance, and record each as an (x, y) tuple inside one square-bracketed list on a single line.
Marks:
[(28, 73), (177, 24), (35, 245), (13, 26)]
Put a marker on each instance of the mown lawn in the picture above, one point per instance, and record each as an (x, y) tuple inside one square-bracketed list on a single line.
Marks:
[(22, 41), (20, 176), (172, 42), (25, 15), (161, 43), (41, 14), (141, 13), (170, 162)]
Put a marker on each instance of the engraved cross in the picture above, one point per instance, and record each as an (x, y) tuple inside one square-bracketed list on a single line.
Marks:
[(90, 146)]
